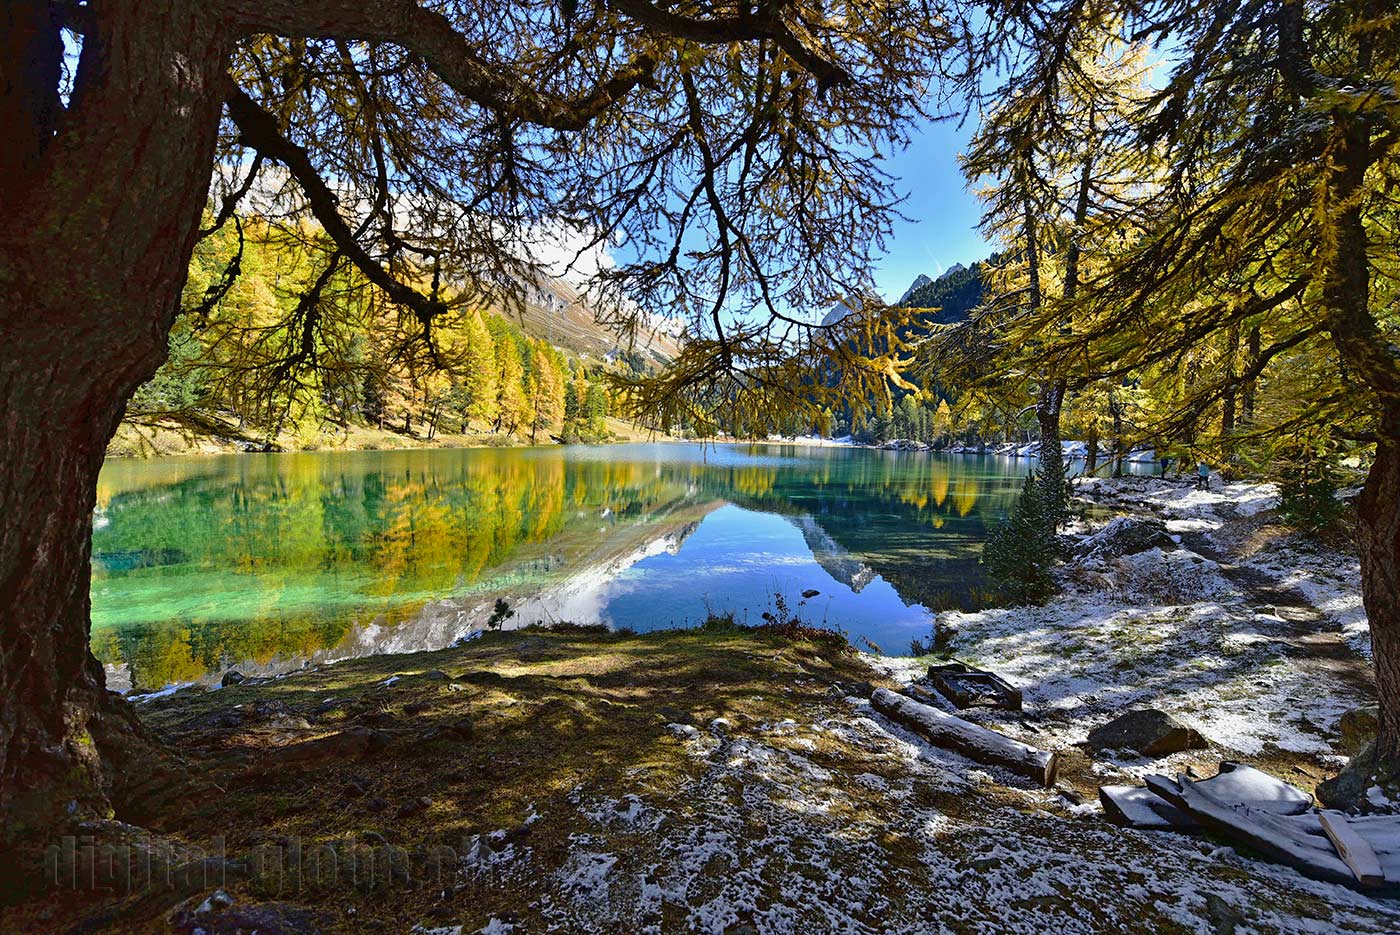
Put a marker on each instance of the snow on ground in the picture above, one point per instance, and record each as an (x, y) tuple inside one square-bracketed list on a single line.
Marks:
[(849, 824), (1168, 630), (1329, 579)]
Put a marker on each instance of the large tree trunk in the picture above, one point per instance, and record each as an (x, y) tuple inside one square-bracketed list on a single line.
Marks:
[(95, 240), (1378, 534), (1052, 456)]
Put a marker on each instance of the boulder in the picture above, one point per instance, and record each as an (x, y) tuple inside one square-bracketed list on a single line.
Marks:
[(232, 677), (1367, 786), (1147, 731), (1126, 535), (1358, 728)]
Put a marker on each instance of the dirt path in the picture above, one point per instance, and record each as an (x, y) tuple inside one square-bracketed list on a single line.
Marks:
[(1308, 635)]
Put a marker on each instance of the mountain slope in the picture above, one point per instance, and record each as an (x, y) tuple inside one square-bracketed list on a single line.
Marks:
[(557, 313)]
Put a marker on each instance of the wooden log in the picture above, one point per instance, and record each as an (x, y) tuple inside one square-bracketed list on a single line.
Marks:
[(972, 740), (1352, 848), (1275, 836)]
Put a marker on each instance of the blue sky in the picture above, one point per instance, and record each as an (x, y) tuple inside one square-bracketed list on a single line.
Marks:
[(943, 213)]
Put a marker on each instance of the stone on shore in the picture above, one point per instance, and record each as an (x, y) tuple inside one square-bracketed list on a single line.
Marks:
[(1147, 731)]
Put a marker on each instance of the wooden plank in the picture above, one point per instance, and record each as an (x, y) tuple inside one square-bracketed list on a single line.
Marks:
[(971, 740), (1138, 807), (1239, 784), (1277, 837), (967, 687), (1352, 848)]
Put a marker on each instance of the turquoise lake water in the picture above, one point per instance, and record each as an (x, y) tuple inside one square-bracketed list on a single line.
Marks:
[(263, 562)]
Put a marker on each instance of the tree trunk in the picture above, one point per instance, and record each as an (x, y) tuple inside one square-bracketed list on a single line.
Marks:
[(1052, 456), (1227, 407), (1115, 411), (95, 242), (1091, 457), (1378, 535), (1247, 395)]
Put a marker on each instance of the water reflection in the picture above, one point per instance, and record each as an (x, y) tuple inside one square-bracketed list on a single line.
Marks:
[(264, 561)]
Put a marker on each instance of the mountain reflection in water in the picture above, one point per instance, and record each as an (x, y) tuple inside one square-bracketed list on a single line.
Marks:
[(265, 562)]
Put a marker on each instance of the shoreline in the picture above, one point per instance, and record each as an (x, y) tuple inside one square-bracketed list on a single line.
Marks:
[(703, 779)]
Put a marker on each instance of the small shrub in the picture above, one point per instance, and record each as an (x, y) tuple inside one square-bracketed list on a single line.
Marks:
[(499, 614), (1308, 495), (720, 622), (1022, 549)]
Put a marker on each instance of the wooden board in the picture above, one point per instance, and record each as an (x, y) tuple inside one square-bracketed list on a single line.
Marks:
[(971, 740), (1355, 852), (1139, 807), (1237, 784), (968, 687), (1277, 837)]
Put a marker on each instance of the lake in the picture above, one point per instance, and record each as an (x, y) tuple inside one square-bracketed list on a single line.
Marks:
[(264, 562)]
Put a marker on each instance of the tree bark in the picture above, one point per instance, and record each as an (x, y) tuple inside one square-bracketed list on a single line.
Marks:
[(1378, 536), (95, 242), (1052, 456)]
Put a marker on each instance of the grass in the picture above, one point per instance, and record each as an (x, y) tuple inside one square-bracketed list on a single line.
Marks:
[(711, 780), (551, 711)]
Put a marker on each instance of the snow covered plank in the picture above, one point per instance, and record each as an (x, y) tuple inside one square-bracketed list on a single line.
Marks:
[(972, 740), (1277, 837), (1139, 807), (1238, 784), (1355, 852)]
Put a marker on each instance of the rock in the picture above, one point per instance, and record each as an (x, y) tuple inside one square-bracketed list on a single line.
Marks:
[(1126, 535), (1367, 786), (418, 707), (670, 714), (232, 677), (1358, 728), (289, 722), (460, 729), (810, 593), (1147, 731), (375, 804), (414, 807), (220, 914), (1225, 916), (436, 675), (348, 744)]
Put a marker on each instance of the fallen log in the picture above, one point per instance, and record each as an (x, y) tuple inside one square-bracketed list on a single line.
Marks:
[(972, 740)]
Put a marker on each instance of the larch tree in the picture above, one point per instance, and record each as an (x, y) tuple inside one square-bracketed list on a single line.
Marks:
[(1261, 250), (1044, 153), (735, 146), (478, 372)]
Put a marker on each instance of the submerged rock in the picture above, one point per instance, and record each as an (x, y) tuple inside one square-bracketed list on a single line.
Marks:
[(1147, 731)]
